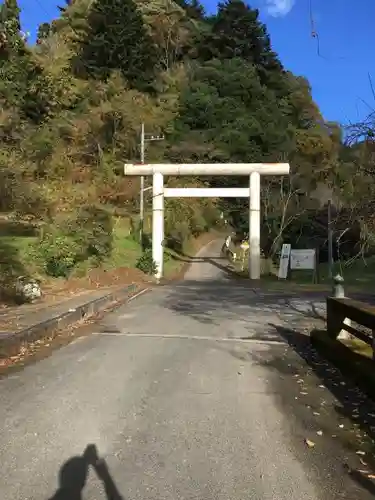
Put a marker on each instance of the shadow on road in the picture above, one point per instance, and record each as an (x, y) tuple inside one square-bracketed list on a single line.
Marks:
[(352, 403), (220, 262), (208, 301), (285, 316), (74, 472)]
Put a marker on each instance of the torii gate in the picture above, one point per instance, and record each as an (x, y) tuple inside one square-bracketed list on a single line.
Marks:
[(253, 170)]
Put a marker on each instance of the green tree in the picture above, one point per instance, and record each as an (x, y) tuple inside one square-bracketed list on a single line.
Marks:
[(236, 32), (44, 31), (10, 15), (22, 81), (116, 39)]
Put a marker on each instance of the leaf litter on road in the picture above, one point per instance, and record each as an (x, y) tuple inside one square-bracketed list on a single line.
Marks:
[(309, 443)]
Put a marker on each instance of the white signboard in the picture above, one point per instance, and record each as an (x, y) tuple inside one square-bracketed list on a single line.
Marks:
[(284, 261), (303, 259)]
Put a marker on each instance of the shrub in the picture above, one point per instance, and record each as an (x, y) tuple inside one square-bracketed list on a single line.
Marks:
[(92, 229), (211, 216), (134, 228), (178, 237), (146, 263), (60, 253), (198, 224), (86, 235)]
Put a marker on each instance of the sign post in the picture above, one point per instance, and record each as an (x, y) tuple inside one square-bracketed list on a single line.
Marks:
[(284, 261), (304, 260), (298, 260)]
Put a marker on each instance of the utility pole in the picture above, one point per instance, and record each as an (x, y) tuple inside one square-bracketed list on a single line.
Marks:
[(144, 138), (141, 194), (330, 240)]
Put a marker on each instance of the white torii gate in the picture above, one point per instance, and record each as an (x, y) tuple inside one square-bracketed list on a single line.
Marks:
[(253, 170)]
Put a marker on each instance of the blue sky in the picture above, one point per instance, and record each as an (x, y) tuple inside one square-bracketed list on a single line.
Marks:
[(338, 75)]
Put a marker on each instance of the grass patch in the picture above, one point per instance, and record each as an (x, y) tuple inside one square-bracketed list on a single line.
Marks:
[(19, 252), (126, 250), (359, 276), (19, 242)]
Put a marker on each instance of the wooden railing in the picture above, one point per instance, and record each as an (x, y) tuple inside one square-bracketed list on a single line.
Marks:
[(339, 310)]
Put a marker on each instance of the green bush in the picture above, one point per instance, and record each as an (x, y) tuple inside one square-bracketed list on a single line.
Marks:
[(178, 237), (198, 224), (135, 226), (60, 253), (92, 229), (86, 235), (146, 263)]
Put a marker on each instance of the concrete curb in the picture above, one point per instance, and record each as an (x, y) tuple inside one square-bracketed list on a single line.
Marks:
[(11, 342)]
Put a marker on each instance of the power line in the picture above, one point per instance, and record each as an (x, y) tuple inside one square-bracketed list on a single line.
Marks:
[(43, 8), (314, 34)]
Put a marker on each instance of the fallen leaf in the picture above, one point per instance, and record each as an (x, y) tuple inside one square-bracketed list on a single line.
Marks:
[(320, 433), (309, 443), (371, 476), (359, 452)]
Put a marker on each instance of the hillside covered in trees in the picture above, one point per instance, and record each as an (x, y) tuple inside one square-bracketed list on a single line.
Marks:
[(72, 105)]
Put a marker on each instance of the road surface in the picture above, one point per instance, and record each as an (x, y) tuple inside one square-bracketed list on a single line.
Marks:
[(191, 391)]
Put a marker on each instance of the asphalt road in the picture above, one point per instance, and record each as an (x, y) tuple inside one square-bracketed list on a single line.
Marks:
[(191, 391)]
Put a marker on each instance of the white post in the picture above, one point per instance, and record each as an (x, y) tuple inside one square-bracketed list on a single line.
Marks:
[(254, 227), (158, 222)]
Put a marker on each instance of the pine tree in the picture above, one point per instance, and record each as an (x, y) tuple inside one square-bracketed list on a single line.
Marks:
[(44, 31), (237, 32), (22, 82), (117, 40)]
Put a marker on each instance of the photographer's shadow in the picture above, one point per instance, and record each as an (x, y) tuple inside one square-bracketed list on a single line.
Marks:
[(74, 472)]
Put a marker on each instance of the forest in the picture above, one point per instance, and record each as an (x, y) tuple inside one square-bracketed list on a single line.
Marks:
[(72, 105)]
